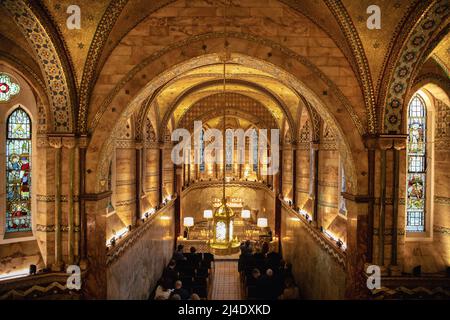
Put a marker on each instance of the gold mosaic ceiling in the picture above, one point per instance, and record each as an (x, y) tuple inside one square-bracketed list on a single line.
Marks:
[(269, 91), (375, 43)]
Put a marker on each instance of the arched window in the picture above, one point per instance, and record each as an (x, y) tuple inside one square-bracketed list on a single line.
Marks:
[(255, 150), (416, 177), (343, 188), (229, 150), (202, 151), (18, 172)]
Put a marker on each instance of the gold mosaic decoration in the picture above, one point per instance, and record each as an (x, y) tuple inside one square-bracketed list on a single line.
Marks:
[(49, 61), (410, 58)]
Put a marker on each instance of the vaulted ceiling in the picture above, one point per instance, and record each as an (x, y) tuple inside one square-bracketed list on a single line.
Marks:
[(105, 23)]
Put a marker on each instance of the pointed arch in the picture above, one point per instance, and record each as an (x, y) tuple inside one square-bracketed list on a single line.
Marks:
[(53, 64)]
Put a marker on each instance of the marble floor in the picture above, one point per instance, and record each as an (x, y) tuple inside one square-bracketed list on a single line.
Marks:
[(226, 283)]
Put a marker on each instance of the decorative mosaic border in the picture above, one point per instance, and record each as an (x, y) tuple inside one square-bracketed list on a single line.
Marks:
[(388, 231), (403, 71), (400, 292), (442, 200), (51, 228), (363, 74), (218, 183), (36, 288), (441, 229), (50, 63)]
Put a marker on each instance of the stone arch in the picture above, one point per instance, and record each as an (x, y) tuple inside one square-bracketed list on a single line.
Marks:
[(362, 65), (37, 86), (408, 61), (57, 75), (103, 129), (440, 83), (265, 91)]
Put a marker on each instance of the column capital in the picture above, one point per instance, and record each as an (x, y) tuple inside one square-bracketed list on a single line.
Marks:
[(42, 140), (55, 142), (69, 142), (315, 145), (390, 141), (139, 144), (371, 141), (83, 141)]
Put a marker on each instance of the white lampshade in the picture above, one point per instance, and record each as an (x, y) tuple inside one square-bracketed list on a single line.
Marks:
[(188, 222), (262, 222), (245, 214), (207, 214)]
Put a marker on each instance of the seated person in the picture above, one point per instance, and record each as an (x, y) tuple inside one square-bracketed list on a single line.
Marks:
[(179, 290), (254, 278), (273, 260), (285, 269), (265, 248), (170, 273), (290, 291), (163, 291), (195, 296), (259, 260), (175, 297), (246, 248), (269, 290), (178, 255)]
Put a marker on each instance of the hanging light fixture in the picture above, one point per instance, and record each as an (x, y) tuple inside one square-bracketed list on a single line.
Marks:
[(222, 239), (262, 223), (245, 214)]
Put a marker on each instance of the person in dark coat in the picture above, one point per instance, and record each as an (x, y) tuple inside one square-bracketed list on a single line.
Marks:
[(170, 273), (194, 258), (269, 288), (179, 290), (178, 255)]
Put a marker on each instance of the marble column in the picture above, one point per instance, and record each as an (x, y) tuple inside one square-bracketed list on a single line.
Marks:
[(126, 192), (151, 175), (160, 175), (315, 160), (382, 210), (294, 174), (390, 214), (83, 143), (371, 145), (56, 143), (96, 206), (356, 252), (70, 143), (138, 179)]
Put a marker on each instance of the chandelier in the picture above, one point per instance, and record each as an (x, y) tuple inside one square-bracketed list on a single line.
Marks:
[(223, 217)]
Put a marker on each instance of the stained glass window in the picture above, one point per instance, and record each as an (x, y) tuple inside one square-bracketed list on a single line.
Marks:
[(18, 172), (255, 150), (202, 151), (221, 231), (416, 179), (342, 204), (7, 88), (229, 150)]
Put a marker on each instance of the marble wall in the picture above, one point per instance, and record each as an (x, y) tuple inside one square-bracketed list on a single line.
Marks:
[(317, 272), (135, 273)]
